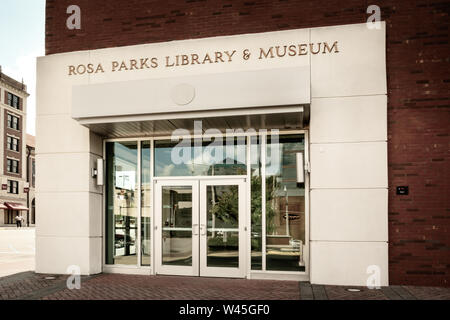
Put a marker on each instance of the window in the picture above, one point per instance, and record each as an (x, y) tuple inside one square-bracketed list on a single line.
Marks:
[(13, 101), (145, 204), (13, 166), (121, 203), (13, 143), (33, 173), (222, 156), (13, 122), (13, 186), (122, 223), (256, 203), (10, 215), (285, 204)]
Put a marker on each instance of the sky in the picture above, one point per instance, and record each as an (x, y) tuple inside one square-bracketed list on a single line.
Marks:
[(22, 30)]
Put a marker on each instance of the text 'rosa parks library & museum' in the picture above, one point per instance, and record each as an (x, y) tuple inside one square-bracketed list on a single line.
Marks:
[(260, 156)]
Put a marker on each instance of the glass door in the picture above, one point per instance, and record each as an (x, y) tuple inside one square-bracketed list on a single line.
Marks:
[(200, 227), (222, 228), (177, 228)]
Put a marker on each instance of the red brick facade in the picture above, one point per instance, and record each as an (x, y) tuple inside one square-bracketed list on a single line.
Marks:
[(16, 155), (418, 53)]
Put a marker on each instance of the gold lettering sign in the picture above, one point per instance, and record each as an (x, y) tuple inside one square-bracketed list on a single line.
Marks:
[(226, 56)]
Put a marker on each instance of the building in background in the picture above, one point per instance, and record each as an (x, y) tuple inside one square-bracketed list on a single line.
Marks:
[(363, 118), (13, 150), (31, 178)]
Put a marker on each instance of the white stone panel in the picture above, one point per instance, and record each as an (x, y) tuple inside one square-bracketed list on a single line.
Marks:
[(358, 69), (346, 263), (349, 165), (63, 172), (60, 133), (261, 88), (95, 255), (349, 119), (253, 42), (95, 214), (74, 214), (56, 254), (54, 86), (63, 214), (349, 214)]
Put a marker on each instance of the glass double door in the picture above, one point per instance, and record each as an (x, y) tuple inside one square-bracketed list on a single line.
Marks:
[(200, 227)]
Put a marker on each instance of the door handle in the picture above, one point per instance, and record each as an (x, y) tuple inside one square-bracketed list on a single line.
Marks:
[(195, 229), (202, 229)]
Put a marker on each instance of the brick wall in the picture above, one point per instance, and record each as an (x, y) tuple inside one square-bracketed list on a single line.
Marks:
[(16, 155), (418, 85)]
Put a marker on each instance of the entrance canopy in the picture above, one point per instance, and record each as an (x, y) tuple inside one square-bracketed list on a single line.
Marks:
[(16, 206), (258, 99), (2, 206), (287, 118)]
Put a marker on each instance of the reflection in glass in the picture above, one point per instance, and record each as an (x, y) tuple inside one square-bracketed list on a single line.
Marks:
[(196, 158), (145, 204), (122, 206), (285, 205), (177, 225), (223, 226), (256, 204)]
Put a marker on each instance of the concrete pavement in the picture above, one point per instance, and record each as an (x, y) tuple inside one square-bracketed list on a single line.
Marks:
[(17, 250)]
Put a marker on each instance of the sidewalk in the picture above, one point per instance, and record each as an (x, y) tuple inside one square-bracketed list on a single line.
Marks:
[(17, 250), (29, 285), (14, 227)]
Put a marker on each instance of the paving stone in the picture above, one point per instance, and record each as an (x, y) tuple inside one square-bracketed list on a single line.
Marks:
[(29, 285), (403, 293), (390, 293), (364, 293), (306, 292), (319, 292), (16, 277), (115, 286), (21, 285), (429, 293)]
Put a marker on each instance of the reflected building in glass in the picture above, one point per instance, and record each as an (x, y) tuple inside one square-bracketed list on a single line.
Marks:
[(236, 205), (122, 203), (285, 205)]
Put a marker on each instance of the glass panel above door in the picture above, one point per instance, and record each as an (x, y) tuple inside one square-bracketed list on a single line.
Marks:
[(189, 157)]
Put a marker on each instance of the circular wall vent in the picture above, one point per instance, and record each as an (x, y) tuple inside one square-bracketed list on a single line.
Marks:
[(182, 94)]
